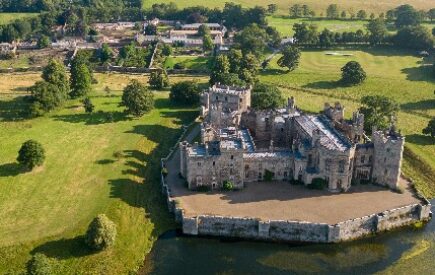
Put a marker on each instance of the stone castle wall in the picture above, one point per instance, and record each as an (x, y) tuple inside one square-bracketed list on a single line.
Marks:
[(301, 231)]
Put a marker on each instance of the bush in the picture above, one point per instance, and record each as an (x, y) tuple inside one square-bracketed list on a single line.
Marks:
[(158, 79), (179, 66), (228, 186), (101, 233), (42, 265), (31, 154), (318, 183)]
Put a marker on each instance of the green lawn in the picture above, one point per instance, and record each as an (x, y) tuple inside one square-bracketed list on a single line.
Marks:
[(190, 62), (392, 73), (105, 162), (319, 6), (6, 18)]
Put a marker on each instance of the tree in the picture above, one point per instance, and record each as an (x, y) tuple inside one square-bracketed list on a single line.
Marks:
[(414, 37), (158, 79), (406, 15), (362, 14), (87, 104), (151, 29), (167, 50), (332, 11), (326, 38), (290, 58), (296, 11), (343, 14), (101, 233), (378, 111), (31, 154), (203, 30), (207, 43), (81, 80), (252, 39), (185, 92), (377, 31), (353, 73), (266, 97), (272, 8), (431, 14), (430, 129), (45, 98), (221, 67), (55, 73), (105, 53), (43, 42), (305, 34), (137, 99)]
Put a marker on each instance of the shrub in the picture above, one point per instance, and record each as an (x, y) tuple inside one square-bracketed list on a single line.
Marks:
[(179, 66), (42, 265), (31, 154), (165, 171), (268, 175), (158, 79), (228, 186), (101, 233), (203, 188), (318, 183)]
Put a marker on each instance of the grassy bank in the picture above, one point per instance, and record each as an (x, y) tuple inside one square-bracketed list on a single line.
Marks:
[(105, 162), (392, 73)]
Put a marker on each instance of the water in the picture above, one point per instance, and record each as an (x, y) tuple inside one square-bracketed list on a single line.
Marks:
[(409, 250)]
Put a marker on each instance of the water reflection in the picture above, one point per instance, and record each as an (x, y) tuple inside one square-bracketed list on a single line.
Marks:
[(410, 250)]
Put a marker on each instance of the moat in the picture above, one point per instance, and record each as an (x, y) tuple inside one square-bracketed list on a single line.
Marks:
[(408, 250)]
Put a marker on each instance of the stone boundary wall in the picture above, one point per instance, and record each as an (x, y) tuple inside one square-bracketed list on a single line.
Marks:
[(291, 231)]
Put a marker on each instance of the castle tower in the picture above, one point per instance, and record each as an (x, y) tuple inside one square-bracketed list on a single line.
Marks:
[(183, 154), (388, 154)]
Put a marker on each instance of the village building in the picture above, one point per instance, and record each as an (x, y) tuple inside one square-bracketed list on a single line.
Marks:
[(242, 145)]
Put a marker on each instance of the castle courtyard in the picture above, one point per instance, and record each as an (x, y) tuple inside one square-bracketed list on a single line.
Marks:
[(283, 201)]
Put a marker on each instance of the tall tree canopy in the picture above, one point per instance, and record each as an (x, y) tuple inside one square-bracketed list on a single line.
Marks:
[(137, 99), (266, 97), (378, 111)]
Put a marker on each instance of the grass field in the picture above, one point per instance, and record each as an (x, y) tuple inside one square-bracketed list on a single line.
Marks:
[(319, 6), (105, 162), (392, 73), (6, 18), (285, 24), (190, 62)]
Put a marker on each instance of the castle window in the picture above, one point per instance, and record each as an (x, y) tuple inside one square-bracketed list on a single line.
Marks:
[(232, 157), (231, 171), (388, 150), (226, 98), (386, 172), (327, 165), (241, 100), (260, 175), (363, 158), (370, 159), (246, 167), (341, 166), (282, 129), (217, 98), (214, 163)]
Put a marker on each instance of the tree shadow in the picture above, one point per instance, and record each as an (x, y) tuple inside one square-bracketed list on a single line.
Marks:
[(421, 73), (427, 104), (64, 248), (105, 161), (15, 109), (420, 139), (96, 118), (326, 85), (11, 169), (267, 72)]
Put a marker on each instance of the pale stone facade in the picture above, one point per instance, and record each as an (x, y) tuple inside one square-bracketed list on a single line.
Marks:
[(242, 145)]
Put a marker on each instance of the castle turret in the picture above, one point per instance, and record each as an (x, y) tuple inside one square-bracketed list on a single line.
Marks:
[(388, 154)]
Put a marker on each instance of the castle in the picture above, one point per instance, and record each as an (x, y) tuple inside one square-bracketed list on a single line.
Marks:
[(242, 145)]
